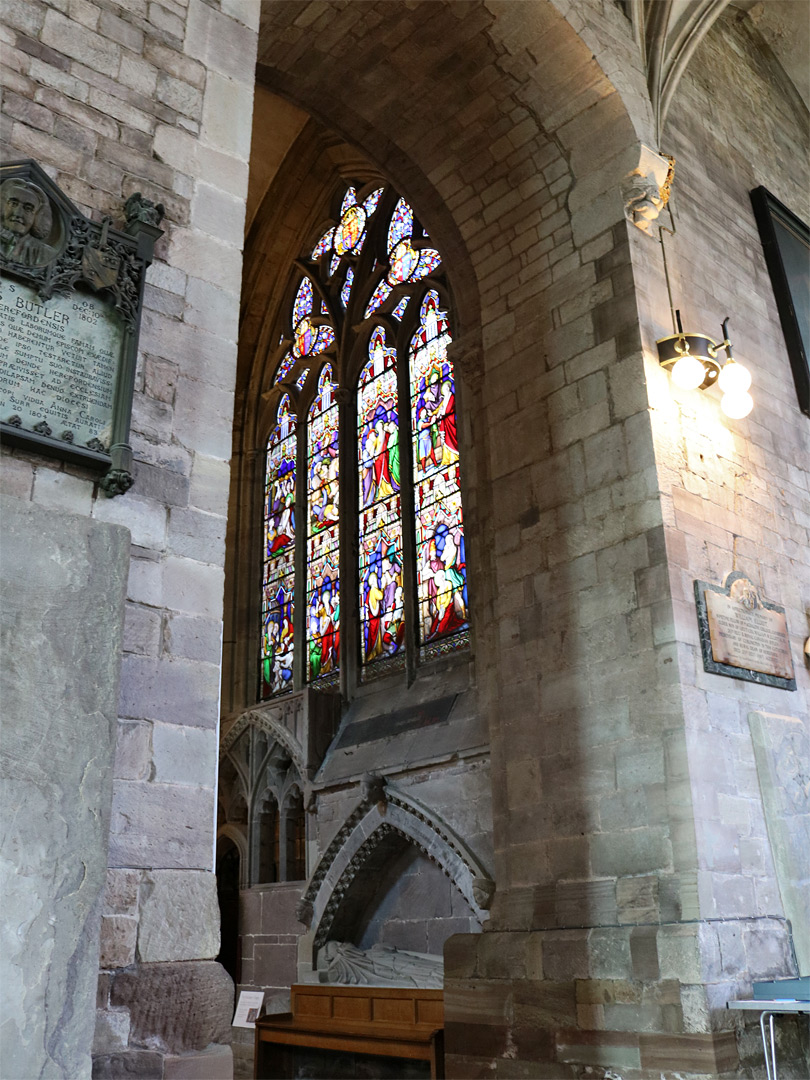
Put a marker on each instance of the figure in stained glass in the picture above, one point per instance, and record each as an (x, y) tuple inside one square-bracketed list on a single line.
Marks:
[(279, 514), (277, 639), (330, 294), (378, 427), (442, 567), (323, 456), (323, 544), (442, 572), (279, 543), (382, 595), (323, 631), (381, 587)]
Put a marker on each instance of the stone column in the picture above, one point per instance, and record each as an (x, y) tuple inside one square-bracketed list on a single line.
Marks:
[(62, 581)]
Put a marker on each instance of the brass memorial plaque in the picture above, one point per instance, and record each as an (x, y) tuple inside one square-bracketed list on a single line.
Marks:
[(743, 635)]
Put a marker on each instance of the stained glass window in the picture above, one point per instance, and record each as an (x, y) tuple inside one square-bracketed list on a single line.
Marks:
[(309, 339), (343, 303), (440, 553), (381, 589), (278, 586), (323, 533), (345, 292)]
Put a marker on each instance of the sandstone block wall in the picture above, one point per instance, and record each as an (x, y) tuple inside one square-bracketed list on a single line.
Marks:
[(155, 97), (734, 493), (599, 807), (62, 607)]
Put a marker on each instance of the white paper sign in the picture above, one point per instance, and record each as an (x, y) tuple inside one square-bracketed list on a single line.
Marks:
[(248, 1008)]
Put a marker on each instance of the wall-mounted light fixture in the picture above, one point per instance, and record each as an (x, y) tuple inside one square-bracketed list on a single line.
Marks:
[(693, 358), (694, 364)]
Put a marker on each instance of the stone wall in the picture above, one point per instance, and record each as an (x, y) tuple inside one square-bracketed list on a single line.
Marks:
[(155, 97), (504, 131), (734, 497), (61, 646)]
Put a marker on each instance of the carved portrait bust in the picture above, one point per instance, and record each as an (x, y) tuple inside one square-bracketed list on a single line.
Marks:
[(26, 220)]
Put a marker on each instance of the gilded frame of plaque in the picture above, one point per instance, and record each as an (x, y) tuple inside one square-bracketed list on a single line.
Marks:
[(71, 292), (739, 596)]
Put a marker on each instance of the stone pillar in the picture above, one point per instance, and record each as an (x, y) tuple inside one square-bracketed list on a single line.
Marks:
[(155, 97), (62, 580)]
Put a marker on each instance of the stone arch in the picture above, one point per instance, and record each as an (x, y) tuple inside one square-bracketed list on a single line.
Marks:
[(239, 840), (384, 810), (485, 116), (267, 720), (407, 105)]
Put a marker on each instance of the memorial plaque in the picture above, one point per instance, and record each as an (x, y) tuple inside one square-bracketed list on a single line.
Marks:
[(58, 364), (71, 292), (742, 635)]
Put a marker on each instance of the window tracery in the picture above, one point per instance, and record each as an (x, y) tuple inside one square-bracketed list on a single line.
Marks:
[(362, 376)]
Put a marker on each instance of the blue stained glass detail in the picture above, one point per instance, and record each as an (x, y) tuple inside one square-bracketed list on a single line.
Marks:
[(303, 301), (347, 287), (323, 339), (349, 199), (379, 296), (284, 367), (324, 244), (401, 225), (333, 265), (399, 310), (371, 201), (429, 259)]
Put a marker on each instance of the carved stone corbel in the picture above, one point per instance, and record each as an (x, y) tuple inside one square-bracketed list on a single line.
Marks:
[(645, 189)]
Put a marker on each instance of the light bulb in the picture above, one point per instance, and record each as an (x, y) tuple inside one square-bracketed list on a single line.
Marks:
[(737, 404), (734, 378), (688, 372)]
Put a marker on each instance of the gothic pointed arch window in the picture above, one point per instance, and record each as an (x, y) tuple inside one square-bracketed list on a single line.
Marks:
[(364, 454)]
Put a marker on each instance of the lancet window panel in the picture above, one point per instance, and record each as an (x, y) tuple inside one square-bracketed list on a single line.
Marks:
[(364, 449)]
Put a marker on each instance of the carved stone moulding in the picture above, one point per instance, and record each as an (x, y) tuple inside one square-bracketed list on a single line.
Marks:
[(384, 809), (303, 723), (71, 292)]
